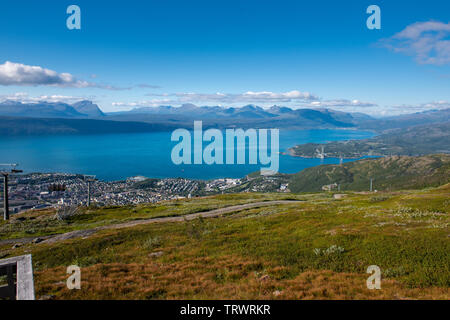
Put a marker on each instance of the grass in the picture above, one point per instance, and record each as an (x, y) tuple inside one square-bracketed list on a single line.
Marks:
[(44, 222), (316, 249), (389, 173)]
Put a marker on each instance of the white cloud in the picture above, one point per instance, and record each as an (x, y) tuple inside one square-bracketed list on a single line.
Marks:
[(428, 42), (247, 97), (293, 99), (436, 105), (26, 98), (145, 103), (18, 74), (262, 97), (148, 86), (341, 103)]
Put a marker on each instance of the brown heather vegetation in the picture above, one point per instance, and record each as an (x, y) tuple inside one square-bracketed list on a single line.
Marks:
[(229, 278)]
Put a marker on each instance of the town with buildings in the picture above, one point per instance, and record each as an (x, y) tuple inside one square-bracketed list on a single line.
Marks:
[(45, 190)]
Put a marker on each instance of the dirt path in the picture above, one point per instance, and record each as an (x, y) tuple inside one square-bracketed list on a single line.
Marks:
[(204, 214)]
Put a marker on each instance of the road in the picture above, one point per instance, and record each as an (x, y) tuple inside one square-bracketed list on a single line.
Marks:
[(204, 214)]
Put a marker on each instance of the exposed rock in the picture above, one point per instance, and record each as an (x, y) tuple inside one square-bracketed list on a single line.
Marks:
[(156, 254), (277, 293)]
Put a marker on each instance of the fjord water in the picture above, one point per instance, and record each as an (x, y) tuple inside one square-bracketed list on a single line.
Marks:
[(118, 156)]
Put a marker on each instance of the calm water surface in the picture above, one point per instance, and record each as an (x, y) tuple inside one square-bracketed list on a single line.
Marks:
[(118, 156)]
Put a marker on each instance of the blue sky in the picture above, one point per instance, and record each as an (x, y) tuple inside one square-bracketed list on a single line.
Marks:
[(294, 53)]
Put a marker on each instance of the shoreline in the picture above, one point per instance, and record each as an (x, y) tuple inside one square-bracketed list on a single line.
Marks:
[(291, 153)]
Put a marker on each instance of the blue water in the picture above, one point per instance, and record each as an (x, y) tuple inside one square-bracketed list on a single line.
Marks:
[(118, 156)]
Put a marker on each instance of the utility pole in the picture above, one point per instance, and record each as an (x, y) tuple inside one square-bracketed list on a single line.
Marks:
[(371, 184), (89, 194), (89, 179), (5, 197), (5, 175)]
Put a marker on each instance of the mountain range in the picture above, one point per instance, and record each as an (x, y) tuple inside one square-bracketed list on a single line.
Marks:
[(169, 117), (44, 109), (87, 109)]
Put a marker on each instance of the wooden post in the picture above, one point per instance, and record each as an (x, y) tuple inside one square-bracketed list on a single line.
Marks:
[(25, 283), (23, 289)]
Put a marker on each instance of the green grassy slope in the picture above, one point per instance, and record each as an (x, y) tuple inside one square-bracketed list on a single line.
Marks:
[(41, 223), (391, 173), (319, 248)]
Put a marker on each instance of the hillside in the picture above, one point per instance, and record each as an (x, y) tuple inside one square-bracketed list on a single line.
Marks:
[(391, 173), (88, 108), (252, 116), (249, 116), (10, 126), (406, 120), (316, 247), (44, 109), (411, 141)]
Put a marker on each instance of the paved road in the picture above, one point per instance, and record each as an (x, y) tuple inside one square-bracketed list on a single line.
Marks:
[(204, 214)]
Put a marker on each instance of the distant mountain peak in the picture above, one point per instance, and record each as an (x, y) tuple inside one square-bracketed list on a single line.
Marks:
[(279, 109), (10, 102), (88, 108), (49, 109), (188, 106), (251, 107)]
